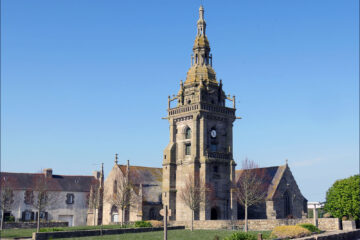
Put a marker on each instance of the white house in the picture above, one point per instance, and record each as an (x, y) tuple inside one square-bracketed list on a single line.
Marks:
[(69, 196)]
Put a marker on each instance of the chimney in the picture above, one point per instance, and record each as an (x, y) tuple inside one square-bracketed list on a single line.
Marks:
[(96, 174), (48, 172)]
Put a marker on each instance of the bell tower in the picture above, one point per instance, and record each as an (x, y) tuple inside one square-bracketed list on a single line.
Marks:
[(201, 139)]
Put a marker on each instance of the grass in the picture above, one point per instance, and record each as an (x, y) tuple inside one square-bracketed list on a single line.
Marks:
[(172, 235)]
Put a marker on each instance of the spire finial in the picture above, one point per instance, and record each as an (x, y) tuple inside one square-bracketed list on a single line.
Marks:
[(201, 12), (116, 158)]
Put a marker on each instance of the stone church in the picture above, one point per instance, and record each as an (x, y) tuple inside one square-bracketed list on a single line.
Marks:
[(201, 118)]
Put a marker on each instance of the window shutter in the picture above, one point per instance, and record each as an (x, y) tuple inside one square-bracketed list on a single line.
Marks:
[(46, 216), (32, 216), (23, 216)]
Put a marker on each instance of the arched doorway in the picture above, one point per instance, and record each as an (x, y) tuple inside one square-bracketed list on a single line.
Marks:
[(114, 214), (214, 213)]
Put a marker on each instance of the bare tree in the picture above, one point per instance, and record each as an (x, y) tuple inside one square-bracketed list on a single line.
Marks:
[(44, 198), (193, 194), (123, 195), (250, 189), (94, 198), (6, 198)]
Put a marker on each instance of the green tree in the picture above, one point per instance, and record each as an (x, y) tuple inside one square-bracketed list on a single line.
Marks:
[(343, 198)]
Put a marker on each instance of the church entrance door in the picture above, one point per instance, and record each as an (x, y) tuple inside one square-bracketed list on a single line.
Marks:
[(214, 214)]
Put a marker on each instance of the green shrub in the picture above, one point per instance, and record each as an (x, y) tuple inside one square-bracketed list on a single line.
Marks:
[(289, 232), (54, 229), (9, 219), (310, 227), (142, 224), (241, 236)]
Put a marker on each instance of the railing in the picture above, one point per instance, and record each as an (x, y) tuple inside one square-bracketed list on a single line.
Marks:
[(219, 155), (202, 106)]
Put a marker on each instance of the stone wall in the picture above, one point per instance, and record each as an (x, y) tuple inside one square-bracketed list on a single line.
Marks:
[(338, 235), (9, 225), (87, 233), (325, 224)]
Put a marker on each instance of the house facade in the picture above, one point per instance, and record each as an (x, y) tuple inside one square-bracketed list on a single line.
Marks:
[(67, 194)]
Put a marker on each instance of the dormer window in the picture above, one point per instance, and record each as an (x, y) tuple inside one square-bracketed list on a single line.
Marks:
[(70, 198), (188, 133)]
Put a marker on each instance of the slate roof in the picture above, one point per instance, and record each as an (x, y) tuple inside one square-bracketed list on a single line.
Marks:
[(271, 177), (28, 181), (149, 177)]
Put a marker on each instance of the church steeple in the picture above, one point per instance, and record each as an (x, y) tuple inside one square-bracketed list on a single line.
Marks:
[(201, 22), (201, 60)]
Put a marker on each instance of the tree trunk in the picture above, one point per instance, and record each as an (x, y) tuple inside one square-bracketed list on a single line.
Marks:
[(2, 220), (192, 220), (122, 216), (38, 222), (94, 216), (246, 218)]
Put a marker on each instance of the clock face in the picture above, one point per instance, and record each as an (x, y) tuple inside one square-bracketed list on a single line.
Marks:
[(213, 133)]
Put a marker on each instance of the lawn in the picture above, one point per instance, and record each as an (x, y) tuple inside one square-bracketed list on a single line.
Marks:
[(172, 235), (16, 233)]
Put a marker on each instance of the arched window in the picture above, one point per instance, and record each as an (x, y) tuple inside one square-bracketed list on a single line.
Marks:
[(115, 187), (287, 207), (188, 133)]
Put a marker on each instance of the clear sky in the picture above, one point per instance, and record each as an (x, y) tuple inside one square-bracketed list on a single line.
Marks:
[(85, 79)]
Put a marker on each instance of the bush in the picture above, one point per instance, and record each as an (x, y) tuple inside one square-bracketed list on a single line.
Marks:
[(156, 223), (343, 198), (9, 219), (289, 232), (310, 227), (241, 236), (142, 224)]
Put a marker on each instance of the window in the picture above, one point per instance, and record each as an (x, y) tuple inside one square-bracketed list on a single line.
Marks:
[(69, 198), (28, 197), (27, 215), (188, 149), (188, 133), (115, 187), (213, 147), (216, 169)]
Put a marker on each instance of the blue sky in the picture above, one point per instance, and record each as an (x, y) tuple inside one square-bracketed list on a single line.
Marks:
[(82, 80)]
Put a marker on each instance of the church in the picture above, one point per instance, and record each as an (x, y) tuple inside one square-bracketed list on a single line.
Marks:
[(201, 117)]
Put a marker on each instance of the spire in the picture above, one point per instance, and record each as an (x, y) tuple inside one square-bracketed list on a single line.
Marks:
[(201, 22), (201, 59)]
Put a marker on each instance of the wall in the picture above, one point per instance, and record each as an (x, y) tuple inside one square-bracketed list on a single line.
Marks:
[(325, 224), (57, 207), (22, 225)]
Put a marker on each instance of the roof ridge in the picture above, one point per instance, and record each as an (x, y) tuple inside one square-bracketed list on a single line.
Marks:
[(275, 181)]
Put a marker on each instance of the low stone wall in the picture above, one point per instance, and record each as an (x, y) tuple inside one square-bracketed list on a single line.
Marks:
[(326, 224), (9, 225), (335, 235), (89, 233)]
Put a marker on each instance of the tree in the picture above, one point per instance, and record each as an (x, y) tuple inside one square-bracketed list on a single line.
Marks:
[(343, 198), (6, 198), (95, 198), (44, 198), (249, 188), (123, 195), (193, 194)]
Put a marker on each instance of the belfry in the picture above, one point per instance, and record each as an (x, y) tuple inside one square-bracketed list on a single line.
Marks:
[(201, 139)]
